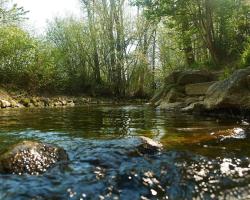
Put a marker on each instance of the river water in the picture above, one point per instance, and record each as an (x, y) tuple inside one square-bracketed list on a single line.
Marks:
[(192, 165)]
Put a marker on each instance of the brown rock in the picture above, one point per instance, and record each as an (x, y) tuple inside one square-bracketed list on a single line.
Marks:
[(192, 77), (233, 92), (173, 96), (148, 146), (196, 107), (198, 88), (29, 157), (172, 106)]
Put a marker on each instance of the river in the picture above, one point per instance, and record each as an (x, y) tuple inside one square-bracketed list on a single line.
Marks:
[(97, 138)]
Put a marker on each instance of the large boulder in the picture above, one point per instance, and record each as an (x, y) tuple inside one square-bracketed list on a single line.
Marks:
[(29, 157), (158, 97), (196, 76), (179, 85), (174, 95), (185, 77), (198, 89), (233, 93)]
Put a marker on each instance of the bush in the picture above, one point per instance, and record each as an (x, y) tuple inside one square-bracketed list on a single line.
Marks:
[(245, 58), (24, 61)]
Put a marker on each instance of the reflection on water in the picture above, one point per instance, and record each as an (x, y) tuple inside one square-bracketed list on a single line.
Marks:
[(201, 158)]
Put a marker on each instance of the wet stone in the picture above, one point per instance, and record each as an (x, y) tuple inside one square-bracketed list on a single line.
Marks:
[(145, 145), (31, 157)]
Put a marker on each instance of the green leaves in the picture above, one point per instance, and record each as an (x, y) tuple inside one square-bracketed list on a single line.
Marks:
[(11, 15), (218, 26), (24, 61), (245, 58)]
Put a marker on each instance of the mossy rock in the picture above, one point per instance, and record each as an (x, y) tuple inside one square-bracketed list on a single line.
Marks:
[(25, 101), (34, 101)]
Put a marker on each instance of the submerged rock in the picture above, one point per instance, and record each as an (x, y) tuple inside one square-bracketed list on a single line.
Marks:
[(202, 136), (236, 133), (29, 157)]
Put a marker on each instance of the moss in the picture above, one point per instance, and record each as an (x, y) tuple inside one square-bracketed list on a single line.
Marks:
[(25, 101)]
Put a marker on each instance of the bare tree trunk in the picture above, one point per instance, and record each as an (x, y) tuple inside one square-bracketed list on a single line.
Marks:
[(153, 59), (92, 29), (187, 42)]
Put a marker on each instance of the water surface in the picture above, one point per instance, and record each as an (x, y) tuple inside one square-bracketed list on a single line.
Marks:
[(193, 165)]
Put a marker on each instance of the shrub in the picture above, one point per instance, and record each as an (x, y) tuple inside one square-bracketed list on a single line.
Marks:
[(245, 58), (25, 61)]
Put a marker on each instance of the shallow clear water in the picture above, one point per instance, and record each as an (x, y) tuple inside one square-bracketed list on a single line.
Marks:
[(98, 139)]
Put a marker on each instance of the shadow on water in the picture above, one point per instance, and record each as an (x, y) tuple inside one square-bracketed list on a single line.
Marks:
[(193, 165)]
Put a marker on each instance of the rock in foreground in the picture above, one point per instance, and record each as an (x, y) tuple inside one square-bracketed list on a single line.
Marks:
[(29, 157)]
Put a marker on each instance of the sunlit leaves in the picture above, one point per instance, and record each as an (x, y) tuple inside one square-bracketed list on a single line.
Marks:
[(11, 15)]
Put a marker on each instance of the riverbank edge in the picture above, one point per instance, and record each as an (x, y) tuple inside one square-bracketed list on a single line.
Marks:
[(18, 100), (200, 92)]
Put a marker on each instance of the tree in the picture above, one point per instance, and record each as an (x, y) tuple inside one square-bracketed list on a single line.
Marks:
[(11, 15), (213, 23)]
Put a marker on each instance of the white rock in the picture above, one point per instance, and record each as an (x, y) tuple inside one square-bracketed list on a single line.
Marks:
[(5, 104)]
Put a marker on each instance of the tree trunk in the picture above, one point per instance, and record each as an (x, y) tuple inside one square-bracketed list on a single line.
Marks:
[(153, 60), (187, 43), (95, 55)]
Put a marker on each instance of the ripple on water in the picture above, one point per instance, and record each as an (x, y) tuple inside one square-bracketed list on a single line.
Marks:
[(101, 167), (104, 169)]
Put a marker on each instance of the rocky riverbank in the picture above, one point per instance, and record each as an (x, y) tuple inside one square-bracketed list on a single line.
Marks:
[(202, 92), (21, 100)]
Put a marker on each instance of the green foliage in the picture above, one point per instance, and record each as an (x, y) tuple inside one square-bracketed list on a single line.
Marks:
[(112, 54), (227, 72), (70, 40), (219, 27), (24, 61), (11, 15), (245, 57), (17, 48)]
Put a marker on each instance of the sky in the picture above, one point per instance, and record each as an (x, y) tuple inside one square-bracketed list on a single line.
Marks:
[(40, 11)]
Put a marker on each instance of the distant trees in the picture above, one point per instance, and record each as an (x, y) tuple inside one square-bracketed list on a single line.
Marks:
[(119, 49), (24, 61), (10, 14), (221, 27), (105, 53)]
